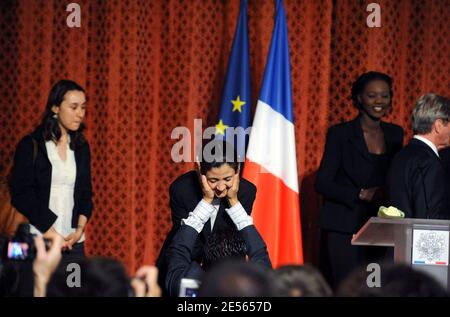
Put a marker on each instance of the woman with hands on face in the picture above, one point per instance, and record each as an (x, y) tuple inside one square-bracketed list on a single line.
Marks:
[(215, 185), (221, 182)]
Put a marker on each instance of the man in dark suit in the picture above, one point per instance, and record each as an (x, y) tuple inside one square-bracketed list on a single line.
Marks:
[(228, 243), (211, 185), (417, 181), (445, 157)]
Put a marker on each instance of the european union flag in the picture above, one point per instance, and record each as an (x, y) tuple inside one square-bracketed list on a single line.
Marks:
[(236, 102)]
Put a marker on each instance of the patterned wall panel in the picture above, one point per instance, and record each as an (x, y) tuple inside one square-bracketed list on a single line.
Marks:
[(150, 66)]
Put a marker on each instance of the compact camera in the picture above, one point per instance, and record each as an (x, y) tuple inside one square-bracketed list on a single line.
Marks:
[(189, 287), (21, 247)]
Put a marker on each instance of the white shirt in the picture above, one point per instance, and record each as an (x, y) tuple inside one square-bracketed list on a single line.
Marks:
[(216, 205), (427, 142), (61, 190)]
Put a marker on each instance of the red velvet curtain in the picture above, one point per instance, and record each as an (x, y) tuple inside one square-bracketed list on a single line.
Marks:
[(149, 66)]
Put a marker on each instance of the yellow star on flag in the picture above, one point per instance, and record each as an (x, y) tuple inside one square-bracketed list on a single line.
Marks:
[(237, 104), (220, 127)]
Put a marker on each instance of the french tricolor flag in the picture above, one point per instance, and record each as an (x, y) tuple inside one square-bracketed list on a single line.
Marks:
[(271, 157)]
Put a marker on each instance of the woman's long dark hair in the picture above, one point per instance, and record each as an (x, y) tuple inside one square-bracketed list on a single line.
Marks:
[(49, 124)]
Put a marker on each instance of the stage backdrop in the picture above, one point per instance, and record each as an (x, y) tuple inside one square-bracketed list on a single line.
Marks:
[(149, 66)]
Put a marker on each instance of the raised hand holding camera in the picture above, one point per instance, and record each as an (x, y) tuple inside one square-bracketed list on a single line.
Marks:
[(145, 283), (46, 262)]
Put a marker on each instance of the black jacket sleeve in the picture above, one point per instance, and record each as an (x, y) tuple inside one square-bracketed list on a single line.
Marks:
[(256, 247), (23, 192), (179, 258), (329, 167), (179, 255), (429, 191), (86, 204)]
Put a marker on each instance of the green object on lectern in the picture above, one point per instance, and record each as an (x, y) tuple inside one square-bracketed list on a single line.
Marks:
[(390, 212)]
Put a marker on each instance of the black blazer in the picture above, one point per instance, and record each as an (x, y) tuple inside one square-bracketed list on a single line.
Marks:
[(345, 168), (185, 193), (30, 185), (445, 157), (418, 184), (181, 265)]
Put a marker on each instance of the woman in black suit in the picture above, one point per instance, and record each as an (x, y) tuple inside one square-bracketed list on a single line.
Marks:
[(53, 188), (352, 173)]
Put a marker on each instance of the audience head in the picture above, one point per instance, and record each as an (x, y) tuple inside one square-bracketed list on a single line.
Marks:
[(300, 281), (16, 279), (99, 277), (237, 279), (396, 280)]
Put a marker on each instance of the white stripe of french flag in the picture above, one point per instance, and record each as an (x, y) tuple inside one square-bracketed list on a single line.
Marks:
[(271, 165)]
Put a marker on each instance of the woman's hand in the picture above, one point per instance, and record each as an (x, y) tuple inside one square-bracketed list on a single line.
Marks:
[(73, 238), (52, 234), (233, 190), (208, 193), (368, 194)]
